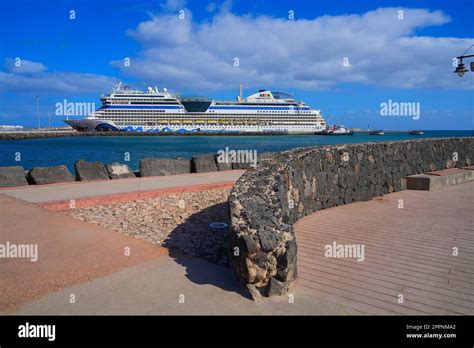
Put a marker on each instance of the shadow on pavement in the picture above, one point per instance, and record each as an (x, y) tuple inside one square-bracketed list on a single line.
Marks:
[(194, 245)]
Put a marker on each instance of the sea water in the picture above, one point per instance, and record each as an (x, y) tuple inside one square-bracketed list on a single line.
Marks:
[(130, 149)]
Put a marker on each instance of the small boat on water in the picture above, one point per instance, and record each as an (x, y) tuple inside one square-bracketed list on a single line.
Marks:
[(377, 132), (416, 132), (337, 130)]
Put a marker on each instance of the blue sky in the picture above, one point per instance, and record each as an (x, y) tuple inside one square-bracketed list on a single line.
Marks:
[(406, 59)]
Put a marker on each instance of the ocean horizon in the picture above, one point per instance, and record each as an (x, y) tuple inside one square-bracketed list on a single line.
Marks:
[(131, 149)]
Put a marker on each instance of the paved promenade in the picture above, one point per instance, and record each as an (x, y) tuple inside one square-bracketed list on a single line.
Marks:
[(72, 251), (89, 262), (57, 196), (408, 252), (69, 251)]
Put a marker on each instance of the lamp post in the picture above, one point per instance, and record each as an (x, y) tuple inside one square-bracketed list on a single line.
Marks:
[(38, 110), (461, 69)]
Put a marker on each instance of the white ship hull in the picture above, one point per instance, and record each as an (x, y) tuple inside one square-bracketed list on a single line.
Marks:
[(154, 111), (91, 125)]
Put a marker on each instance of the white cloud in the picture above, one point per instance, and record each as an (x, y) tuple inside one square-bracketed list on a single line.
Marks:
[(211, 7), (168, 30), (33, 76), (303, 53), (173, 5), (23, 66), (225, 6)]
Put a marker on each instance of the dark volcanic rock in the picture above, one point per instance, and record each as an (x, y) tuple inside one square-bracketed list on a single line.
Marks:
[(119, 171), (241, 166), (269, 240), (263, 156), (164, 166), (287, 186), (287, 263), (254, 293), (203, 164), (88, 171), (249, 244), (12, 176), (275, 288), (49, 175)]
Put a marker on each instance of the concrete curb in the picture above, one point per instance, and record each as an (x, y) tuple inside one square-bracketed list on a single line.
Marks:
[(122, 197)]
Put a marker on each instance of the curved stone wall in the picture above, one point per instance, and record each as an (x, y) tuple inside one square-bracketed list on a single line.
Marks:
[(267, 200)]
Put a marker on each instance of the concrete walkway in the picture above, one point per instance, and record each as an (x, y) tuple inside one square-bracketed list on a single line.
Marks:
[(87, 263), (69, 251), (175, 287), (82, 190), (407, 252)]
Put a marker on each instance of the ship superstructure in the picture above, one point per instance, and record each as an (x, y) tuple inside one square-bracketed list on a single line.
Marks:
[(125, 109)]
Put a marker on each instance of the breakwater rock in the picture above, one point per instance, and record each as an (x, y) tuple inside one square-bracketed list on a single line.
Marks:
[(49, 175), (91, 171), (73, 133), (119, 171), (37, 135), (164, 166), (12, 176), (266, 201)]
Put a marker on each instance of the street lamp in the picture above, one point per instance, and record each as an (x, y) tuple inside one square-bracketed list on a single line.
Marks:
[(461, 69)]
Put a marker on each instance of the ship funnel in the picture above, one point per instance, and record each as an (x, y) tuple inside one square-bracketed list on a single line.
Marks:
[(164, 89), (156, 89)]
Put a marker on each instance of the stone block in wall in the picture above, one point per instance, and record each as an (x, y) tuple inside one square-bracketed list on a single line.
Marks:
[(244, 166), (263, 156), (276, 288)]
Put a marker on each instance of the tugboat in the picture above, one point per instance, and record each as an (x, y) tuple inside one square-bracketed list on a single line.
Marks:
[(416, 132), (377, 132), (338, 130)]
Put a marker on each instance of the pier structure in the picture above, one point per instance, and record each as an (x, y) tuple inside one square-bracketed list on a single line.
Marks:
[(338, 222)]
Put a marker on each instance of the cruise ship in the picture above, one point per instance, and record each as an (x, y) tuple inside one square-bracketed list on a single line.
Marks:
[(157, 110)]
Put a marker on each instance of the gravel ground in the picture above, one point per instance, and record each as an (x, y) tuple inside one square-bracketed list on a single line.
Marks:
[(178, 222)]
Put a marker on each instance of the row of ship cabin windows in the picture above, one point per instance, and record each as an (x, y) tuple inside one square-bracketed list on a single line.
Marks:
[(152, 112), (122, 121), (227, 116), (145, 119), (300, 125), (273, 112), (214, 116), (214, 111)]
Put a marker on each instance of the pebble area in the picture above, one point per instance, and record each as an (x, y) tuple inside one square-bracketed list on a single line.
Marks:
[(179, 222)]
